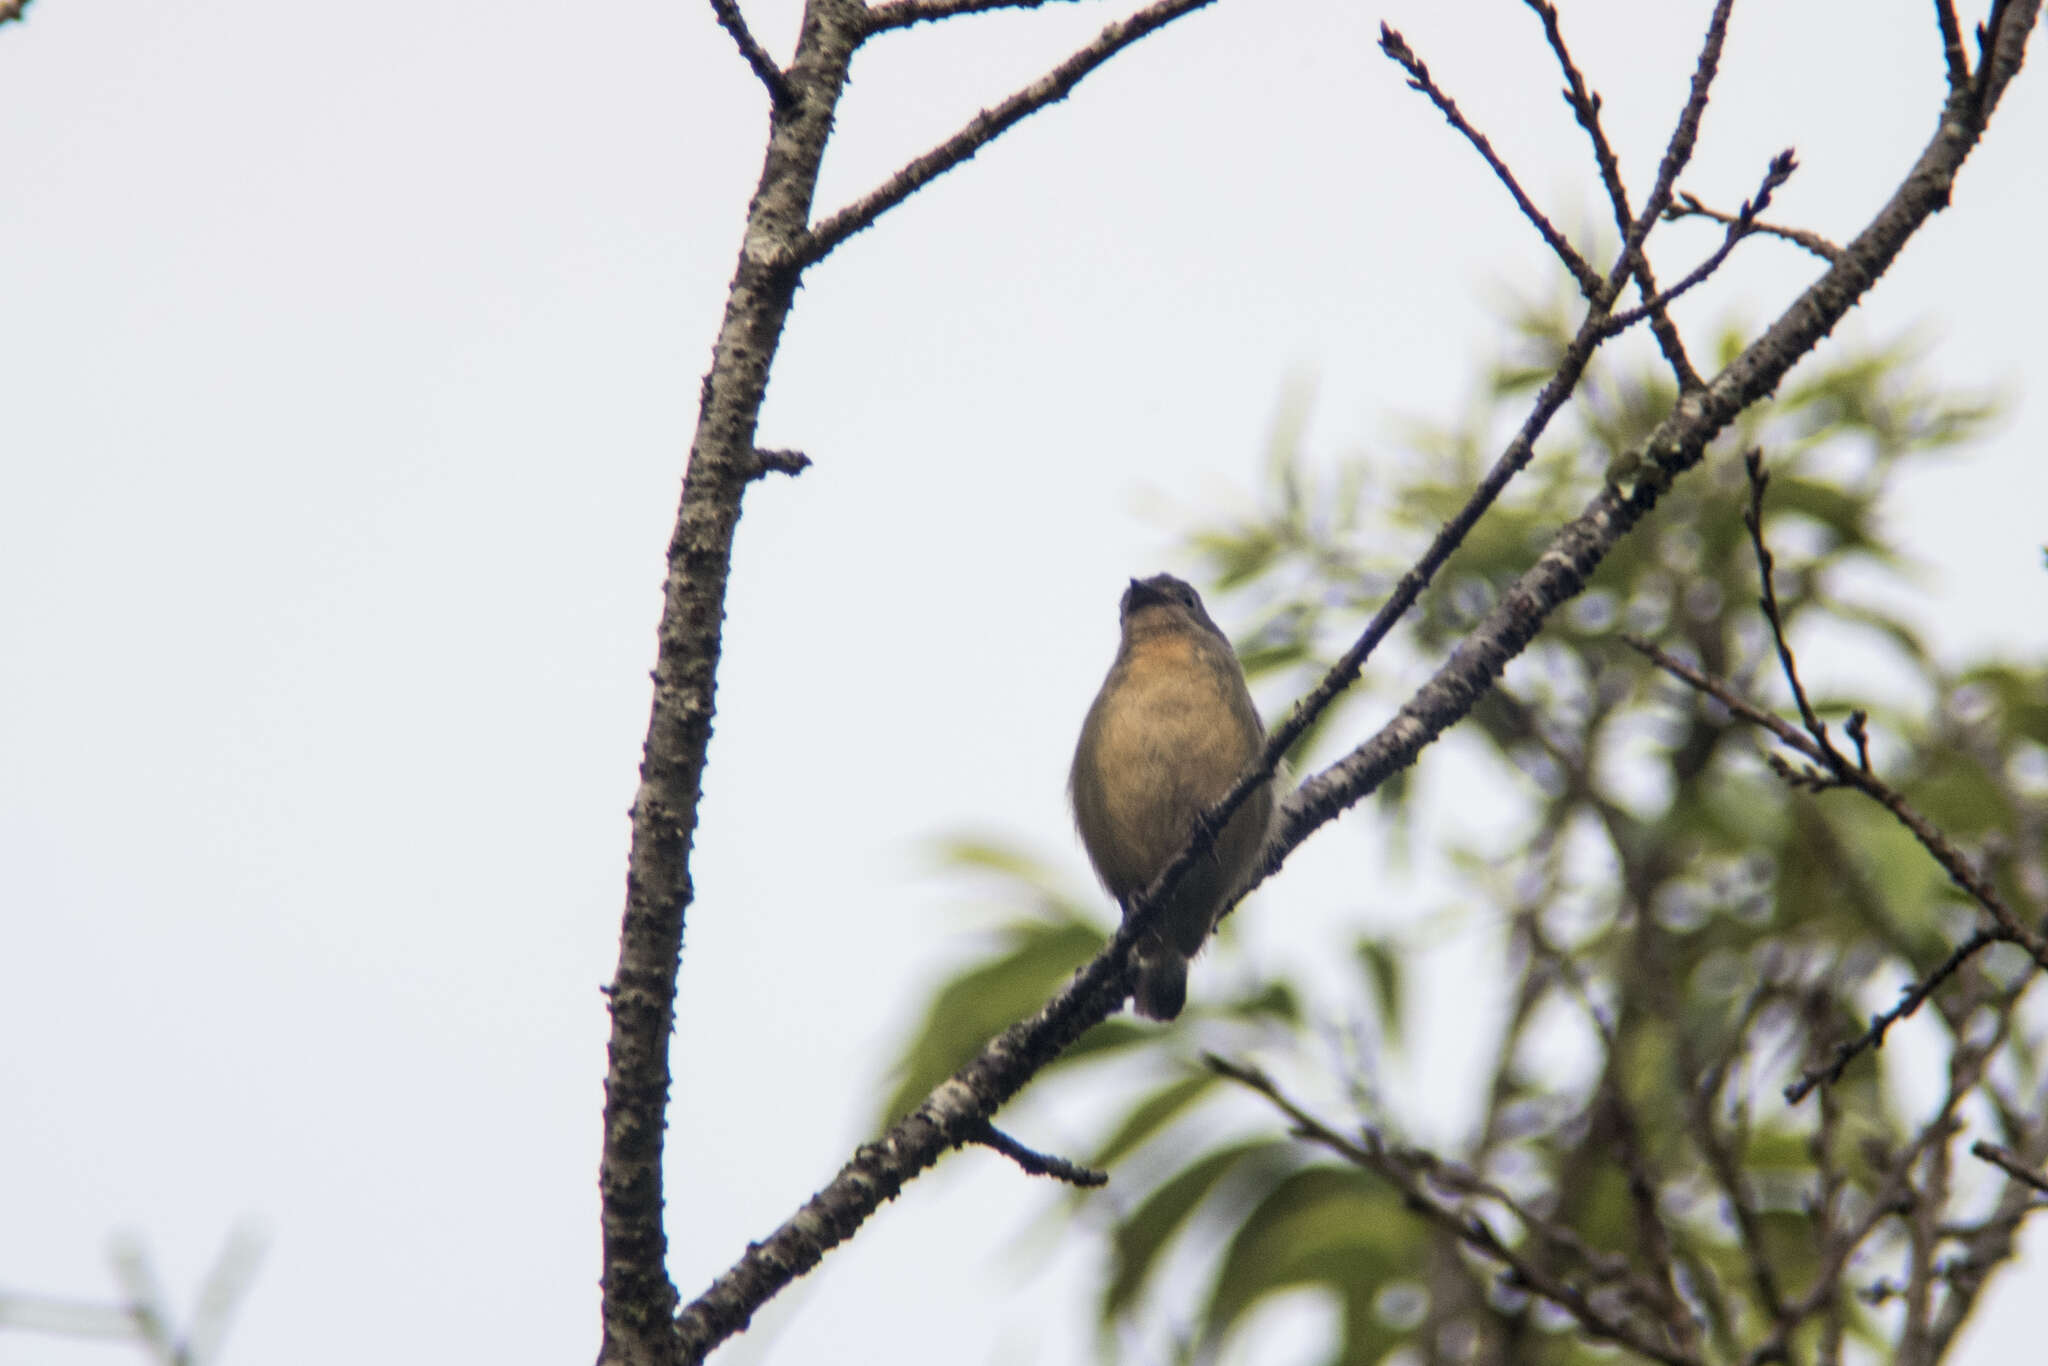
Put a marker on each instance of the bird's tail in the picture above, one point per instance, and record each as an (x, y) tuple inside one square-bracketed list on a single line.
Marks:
[(1162, 982)]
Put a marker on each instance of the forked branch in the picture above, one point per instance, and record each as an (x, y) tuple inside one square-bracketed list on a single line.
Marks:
[(735, 23), (988, 125), (956, 1110), (903, 13)]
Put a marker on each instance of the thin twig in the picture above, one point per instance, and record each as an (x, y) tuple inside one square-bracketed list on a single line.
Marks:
[(1911, 999), (1635, 228), (1678, 443), (1033, 1162), (1998, 60), (791, 463), (1564, 379), (877, 1171), (1952, 45), (903, 13), (1584, 103), (1397, 48), (1841, 773), (1409, 1171), (1741, 226), (2004, 1160), (984, 127), (1766, 568), (1858, 727), (1689, 206), (735, 23), (1677, 153)]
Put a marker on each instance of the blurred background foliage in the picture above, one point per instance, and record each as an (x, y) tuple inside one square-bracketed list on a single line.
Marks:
[(1683, 934)]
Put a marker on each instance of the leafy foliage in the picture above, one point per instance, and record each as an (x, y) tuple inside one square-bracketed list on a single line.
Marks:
[(1703, 931)]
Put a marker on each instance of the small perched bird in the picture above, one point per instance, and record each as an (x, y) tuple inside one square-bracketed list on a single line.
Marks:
[(1168, 734)]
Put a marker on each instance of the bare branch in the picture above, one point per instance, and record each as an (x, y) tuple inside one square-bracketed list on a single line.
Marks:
[(984, 127), (877, 1171), (1893, 1197), (1635, 228), (2001, 47), (1952, 45), (148, 1307), (1007, 1063), (1688, 206), (1910, 999), (1585, 107), (1839, 772), (638, 1299), (791, 463), (2005, 1161), (1677, 152), (1037, 1163), (733, 22), (1412, 1171), (65, 1318), (1739, 227), (1397, 48), (1753, 519), (903, 13)]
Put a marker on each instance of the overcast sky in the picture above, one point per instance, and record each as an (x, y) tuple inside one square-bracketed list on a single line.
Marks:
[(348, 359)]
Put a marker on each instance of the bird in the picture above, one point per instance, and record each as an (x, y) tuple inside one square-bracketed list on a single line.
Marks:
[(1171, 729)]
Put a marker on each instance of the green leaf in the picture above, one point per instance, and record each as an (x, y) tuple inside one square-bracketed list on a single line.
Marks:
[(1142, 1235), (1152, 1114), (1383, 965), (1325, 1225)]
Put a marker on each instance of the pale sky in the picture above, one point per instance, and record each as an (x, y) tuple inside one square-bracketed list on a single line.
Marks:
[(350, 358)]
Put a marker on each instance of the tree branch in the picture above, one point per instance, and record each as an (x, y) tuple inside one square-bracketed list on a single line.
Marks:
[(1952, 45), (1397, 48), (730, 18), (1739, 227), (2003, 1159), (946, 1117), (1675, 446), (1635, 228), (1837, 771), (903, 13), (638, 1305), (1911, 998), (984, 127), (1035, 1163), (1766, 571), (1411, 1171), (1689, 206), (791, 463), (1677, 153)]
